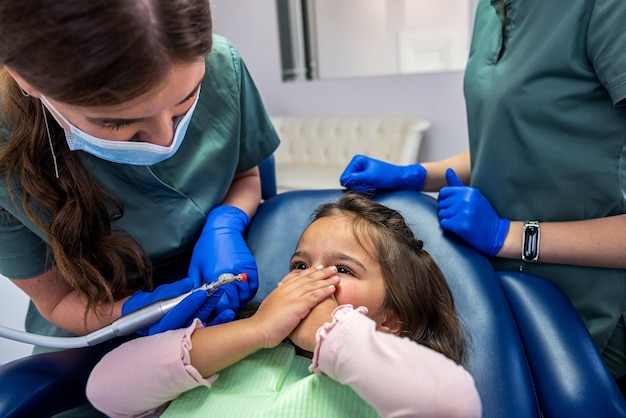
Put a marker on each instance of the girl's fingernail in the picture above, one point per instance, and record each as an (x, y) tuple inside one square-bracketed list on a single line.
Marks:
[(333, 268), (320, 267)]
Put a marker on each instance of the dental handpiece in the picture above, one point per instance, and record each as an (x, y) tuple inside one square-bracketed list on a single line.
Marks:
[(152, 313), (125, 325)]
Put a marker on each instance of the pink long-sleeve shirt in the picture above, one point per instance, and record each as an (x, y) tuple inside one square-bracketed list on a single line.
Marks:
[(396, 376)]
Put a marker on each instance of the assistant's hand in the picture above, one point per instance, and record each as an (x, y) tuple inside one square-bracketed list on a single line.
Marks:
[(196, 305), (465, 211), (222, 249), (365, 174)]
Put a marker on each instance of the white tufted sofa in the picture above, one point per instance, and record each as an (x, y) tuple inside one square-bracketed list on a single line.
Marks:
[(314, 150)]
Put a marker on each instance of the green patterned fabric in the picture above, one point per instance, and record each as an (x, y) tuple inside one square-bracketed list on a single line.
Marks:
[(271, 383)]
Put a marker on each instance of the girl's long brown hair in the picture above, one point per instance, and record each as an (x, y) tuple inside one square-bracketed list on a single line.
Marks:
[(85, 53), (416, 290)]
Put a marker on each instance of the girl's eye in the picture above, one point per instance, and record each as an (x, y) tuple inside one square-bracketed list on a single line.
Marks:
[(298, 265), (114, 126), (344, 270)]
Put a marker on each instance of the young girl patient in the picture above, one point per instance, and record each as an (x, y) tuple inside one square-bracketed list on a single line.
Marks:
[(363, 300)]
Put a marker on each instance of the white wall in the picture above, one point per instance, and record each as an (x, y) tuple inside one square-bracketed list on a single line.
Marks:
[(13, 307), (252, 27), (375, 39)]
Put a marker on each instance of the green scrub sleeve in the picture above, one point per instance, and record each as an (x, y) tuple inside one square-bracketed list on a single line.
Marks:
[(23, 254), (606, 43)]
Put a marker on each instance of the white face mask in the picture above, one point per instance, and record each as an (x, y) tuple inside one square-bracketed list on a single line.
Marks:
[(124, 152)]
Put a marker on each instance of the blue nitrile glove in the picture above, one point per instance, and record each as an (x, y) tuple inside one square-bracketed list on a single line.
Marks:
[(365, 174), (196, 305), (207, 310), (222, 249), (465, 211)]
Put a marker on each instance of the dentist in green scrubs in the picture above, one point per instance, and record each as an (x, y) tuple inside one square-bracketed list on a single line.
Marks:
[(130, 137)]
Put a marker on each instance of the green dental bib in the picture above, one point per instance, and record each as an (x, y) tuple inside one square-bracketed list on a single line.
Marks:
[(271, 383)]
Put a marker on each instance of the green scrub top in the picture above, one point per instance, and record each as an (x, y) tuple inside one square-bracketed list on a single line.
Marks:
[(545, 95), (166, 204)]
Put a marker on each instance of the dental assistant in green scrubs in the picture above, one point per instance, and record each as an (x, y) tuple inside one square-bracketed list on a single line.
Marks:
[(543, 185)]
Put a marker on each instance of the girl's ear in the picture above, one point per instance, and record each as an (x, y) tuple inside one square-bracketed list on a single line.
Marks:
[(390, 324)]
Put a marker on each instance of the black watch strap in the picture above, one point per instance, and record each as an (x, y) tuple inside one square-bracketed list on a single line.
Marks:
[(530, 242)]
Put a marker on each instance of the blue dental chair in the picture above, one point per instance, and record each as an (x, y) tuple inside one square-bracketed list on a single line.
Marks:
[(530, 355)]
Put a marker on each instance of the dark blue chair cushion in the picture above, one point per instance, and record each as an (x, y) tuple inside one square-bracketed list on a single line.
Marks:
[(46, 384), (267, 172), (571, 380)]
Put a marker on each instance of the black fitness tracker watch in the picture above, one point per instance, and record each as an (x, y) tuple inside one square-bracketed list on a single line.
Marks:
[(530, 242)]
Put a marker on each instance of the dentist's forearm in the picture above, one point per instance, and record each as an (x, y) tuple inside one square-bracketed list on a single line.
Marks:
[(65, 307), (245, 192)]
